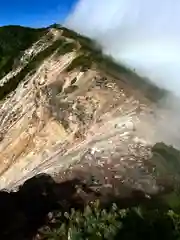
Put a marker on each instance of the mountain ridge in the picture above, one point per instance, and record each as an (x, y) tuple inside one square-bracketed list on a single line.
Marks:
[(67, 109)]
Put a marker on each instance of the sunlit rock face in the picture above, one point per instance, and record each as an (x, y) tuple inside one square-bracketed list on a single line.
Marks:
[(75, 112)]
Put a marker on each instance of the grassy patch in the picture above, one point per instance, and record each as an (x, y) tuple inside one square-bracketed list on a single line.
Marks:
[(83, 61), (84, 41), (66, 48), (166, 158)]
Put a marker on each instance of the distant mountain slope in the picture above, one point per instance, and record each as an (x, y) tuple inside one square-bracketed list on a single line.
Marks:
[(13, 41)]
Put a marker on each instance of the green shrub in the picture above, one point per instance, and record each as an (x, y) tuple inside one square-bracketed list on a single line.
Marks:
[(95, 223), (92, 223)]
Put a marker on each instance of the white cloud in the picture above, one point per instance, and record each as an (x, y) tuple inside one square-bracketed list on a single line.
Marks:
[(144, 34)]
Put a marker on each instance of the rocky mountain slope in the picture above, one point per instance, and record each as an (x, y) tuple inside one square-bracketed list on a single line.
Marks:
[(67, 110)]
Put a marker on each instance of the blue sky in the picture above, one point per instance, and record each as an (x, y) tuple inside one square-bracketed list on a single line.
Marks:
[(35, 13)]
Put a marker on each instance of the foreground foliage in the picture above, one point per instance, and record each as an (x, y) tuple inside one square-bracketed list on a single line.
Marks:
[(114, 223)]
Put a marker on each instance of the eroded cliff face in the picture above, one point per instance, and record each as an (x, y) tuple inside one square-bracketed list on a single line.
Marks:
[(71, 113)]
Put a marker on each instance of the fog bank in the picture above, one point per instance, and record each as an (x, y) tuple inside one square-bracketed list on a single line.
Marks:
[(142, 34)]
